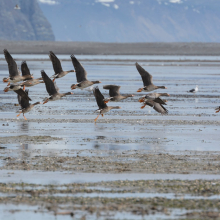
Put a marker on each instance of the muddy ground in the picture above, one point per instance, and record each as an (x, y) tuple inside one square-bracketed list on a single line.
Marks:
[(132, 164)]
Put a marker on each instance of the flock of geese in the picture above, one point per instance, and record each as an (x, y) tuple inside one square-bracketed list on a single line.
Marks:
[(15, 76)]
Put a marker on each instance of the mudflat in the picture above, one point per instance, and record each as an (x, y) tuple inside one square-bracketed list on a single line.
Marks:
[(133, 163), (97, 48)]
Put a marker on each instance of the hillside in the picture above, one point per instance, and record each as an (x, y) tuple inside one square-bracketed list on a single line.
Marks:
[(134, 21), (27, 23)]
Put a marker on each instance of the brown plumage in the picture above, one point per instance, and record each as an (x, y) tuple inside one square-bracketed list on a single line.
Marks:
[(103, 108), (25, 105), (152, 96), (57, 67), (17, 89), (14, 73), (147, 80), (81, 75), (52, 89), (156, 106), (114, 93)]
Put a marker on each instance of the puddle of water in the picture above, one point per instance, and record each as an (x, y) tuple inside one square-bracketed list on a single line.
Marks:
[(9, 212)]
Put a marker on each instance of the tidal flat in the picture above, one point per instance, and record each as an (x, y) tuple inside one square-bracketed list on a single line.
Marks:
[(133, 163)]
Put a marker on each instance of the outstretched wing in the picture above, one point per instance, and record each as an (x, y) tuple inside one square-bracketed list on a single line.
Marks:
[(160, 101), (23, 95), (56, 63), (146, 77), (113, 90), (81, 74), (51, 88), (157, 107), (99, 98), (25, 70), (12, 66)]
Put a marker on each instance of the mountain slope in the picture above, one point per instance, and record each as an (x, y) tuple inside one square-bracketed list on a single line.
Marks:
[(28, 23), (134, 21)]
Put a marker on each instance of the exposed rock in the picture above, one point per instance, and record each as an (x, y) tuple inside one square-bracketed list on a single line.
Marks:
[(27, 23)]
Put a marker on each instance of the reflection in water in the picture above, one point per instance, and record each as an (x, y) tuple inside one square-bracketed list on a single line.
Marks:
[(24, 127), (24, 146)]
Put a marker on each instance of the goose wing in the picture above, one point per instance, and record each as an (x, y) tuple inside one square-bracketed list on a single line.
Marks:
[(81, 74), (56, 63), (24, 102), (50, 86), (160, 101), (25, 70), (157, 107), (23, 95), (113, 90), (99, 98), (146, 77), (12, 66)]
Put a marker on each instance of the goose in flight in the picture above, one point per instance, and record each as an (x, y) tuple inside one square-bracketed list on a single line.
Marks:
[(152, 96), (81, 75), (25, 105), (157, 105), (147, 80), (52, 89), (14, 73), (114, 93), (103, 108), (18, 89), (29, 81), (57, 67)]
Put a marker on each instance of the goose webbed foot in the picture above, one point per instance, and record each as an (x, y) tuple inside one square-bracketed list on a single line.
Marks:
[(24, 117), (96, 118), (46, 101)]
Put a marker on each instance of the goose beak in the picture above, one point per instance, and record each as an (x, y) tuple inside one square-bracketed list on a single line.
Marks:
[(141, 100), (73, 87), (5, 80), (8, 84), (106, 102), (6, 89), (140, 90), (46, 101)]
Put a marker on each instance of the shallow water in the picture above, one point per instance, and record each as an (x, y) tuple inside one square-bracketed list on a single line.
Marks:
[(191, 125), (81, 105), (16, 176)]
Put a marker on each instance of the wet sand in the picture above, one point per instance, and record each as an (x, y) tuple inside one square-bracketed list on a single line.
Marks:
[(131, 164), (42, 47)]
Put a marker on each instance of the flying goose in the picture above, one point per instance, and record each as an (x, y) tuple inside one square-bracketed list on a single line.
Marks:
[(25, 105), (14, 73), (57, 67), (156, 106), (52, 89), (18, 89), (147, 80), (114, 93), (81, 75), (194, 90), (152, 96), (103, 108)]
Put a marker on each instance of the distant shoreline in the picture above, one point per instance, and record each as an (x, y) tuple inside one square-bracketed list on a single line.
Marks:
[(96, 48)]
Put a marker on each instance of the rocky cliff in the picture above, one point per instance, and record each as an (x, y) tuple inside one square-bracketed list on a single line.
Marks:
[(26, 23)]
